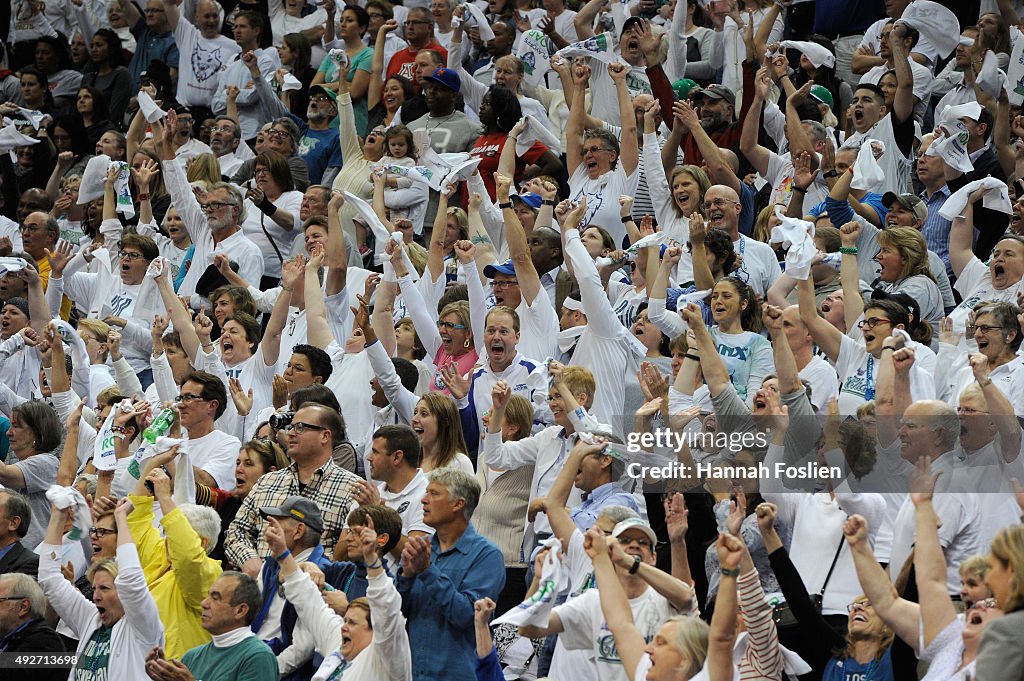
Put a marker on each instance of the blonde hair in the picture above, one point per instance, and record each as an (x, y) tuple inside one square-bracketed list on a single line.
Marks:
[(975, 565), (911, 245), (108, 565), (761, 232), (691, 641), (204, 167), (417, 256), (886, 636), (97, 329), (519, 412), (460, 308), (580, 380), (1008, 548), (698, 175)]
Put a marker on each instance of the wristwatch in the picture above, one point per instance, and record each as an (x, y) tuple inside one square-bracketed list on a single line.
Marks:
[(731, 573)]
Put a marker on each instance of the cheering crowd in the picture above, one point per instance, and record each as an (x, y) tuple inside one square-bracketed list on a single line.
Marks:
[(507, 339)]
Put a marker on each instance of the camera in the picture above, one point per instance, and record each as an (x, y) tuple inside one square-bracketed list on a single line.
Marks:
[(281, 420)]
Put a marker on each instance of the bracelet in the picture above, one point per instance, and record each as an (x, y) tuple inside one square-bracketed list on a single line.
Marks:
[(547, 202), (285, 288), (961, 217), (287, 552), (143, 197), (695, 358), (375, 566), (802, 190), (627, 219), (888, 347), (849, 250), (636, 565), (731, 573), (503, 206), (987, 383)]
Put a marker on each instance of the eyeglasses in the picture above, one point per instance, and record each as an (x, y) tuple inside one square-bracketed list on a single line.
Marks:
[(277, 134), (13, 598), (639, 541), (261, 171), (594, 150), (300, 427), (967, 411), (188, 397), (719, 203), (32, 229), (984, 328), (223, 128), (375, 15), (214, 206), (508, 283), (321, 99), (873, 322), (131, 255), (450, 325), (101, 532), (413, 22), (858, 605)]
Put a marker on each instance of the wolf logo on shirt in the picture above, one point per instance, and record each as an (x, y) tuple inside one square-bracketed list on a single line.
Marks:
[(206, 63)]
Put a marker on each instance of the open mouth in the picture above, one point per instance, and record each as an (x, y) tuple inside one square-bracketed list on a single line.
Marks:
[(998, 270), (858, 115), (860, 617), (759, 401), (982, 344), (718, 310), (869, 337), (682, 198), (239, 481), (95, 548), (716, 216), (495, 349), (975, 618), (418, 430)]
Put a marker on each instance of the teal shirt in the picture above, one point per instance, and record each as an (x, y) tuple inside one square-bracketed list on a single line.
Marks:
[(360, 62), (250, 660)]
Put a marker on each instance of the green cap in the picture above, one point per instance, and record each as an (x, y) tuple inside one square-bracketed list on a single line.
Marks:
[(682, 87), (331, 94), (821, 93)]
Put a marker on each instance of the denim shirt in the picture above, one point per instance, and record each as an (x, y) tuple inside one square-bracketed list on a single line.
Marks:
[(438, 604)]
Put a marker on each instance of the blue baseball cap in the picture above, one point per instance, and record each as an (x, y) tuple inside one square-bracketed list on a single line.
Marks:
[(447, 78), (530, 199), (504, 268)]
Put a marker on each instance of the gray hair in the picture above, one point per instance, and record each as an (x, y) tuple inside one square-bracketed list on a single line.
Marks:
[(23, 586), (818, 131), (460, 485), (205, 521), (292, 129), (617, 513)]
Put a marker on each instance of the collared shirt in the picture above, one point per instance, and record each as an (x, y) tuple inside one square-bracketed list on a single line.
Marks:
[(549, 280), (330, 488), (608, 494), (439, 605), (149, 47), (936, 228)]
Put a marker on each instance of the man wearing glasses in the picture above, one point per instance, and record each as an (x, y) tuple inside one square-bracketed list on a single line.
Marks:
[(312, 474), (212, 224), (200, 403), (22, 627), (225, 136), (419, 34)]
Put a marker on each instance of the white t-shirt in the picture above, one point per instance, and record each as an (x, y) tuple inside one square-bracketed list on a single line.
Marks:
[(896, 166), (256, 222), (407, 503), (538, 328), (923, 79), (780, 177), (824, 382), (873, 39), (760, 266), (858, 375), (975, 285), (603, 198), (585, 627), (216, 453), (204, 59)]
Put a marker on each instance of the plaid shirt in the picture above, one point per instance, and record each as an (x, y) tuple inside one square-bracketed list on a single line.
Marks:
[(330, 487)]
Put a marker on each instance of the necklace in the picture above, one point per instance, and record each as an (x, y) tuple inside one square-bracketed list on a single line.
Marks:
[(440, 120)]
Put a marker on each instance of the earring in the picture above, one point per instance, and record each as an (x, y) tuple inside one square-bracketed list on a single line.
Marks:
[(465, 343)]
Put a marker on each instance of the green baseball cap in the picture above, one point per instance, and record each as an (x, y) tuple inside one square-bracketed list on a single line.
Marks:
[(682, 87), (821, 93)]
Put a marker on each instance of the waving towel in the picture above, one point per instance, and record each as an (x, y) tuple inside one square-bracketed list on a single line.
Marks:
[(815, 53), (798, 236), (65, 497), (11, 139), (867, 174), (935, 22), (599, 47), (996, 197), (535, 131), (150, 110)]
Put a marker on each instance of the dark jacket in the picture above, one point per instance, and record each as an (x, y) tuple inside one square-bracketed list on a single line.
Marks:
[(20, 559), (36, 637)]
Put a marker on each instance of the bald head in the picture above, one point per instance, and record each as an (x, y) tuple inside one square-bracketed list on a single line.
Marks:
[(929, 428)]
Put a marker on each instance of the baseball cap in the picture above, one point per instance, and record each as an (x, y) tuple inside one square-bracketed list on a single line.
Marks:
[(683, 87), (503, 268), (300, 508), (447, 78), (821, 93), (320, 88), (635, 524), (630, 23), (716, 91), (529, 198), (911, 202)]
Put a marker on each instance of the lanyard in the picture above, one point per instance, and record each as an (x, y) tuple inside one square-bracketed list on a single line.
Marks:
[(869, 388)]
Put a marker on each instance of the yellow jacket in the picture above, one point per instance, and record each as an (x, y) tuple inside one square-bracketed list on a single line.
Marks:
[(178, 571)]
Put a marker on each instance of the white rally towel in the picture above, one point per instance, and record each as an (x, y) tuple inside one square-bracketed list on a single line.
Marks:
[(996, 197), (815, 53), (11, 139), (291, 82), (600, 47), (685, 299), (122, 192), (1015, 73), (65, 497), (867, 174), (400, 240), (380, 232), (620, 12), (35, 118), (990, 79), (649, 241), (184, 477), (94, 178), (80, 356), (10, 264), (421, 174), (798, 236), (536, 610), (104, 457), (535, 51), (953, 148), (949, 115), (149, 108), (463, 171), (935, 22), (475, 17), (535, 131)]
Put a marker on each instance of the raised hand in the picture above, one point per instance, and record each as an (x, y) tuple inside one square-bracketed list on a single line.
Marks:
[(737, 512), (241, 398), (500, 394), (855, 530), (457, 384), (580, 75), (676, 517), (730, 551), (60, 257), (765, 514), (922, 481)]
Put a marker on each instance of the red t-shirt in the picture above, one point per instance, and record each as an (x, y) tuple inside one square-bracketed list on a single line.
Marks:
[(488, 149), (403, 62)]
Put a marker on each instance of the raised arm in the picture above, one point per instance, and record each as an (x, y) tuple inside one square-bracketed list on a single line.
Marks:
[(318, 332), (719, 169), (961, 235), (515, 236), (614, 605), (577, 113), (629, 143), (901, 615), (849, 273), (758, 155), (826, 336), (936, 609), (715, 372), (291, 270), (903, 103)]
